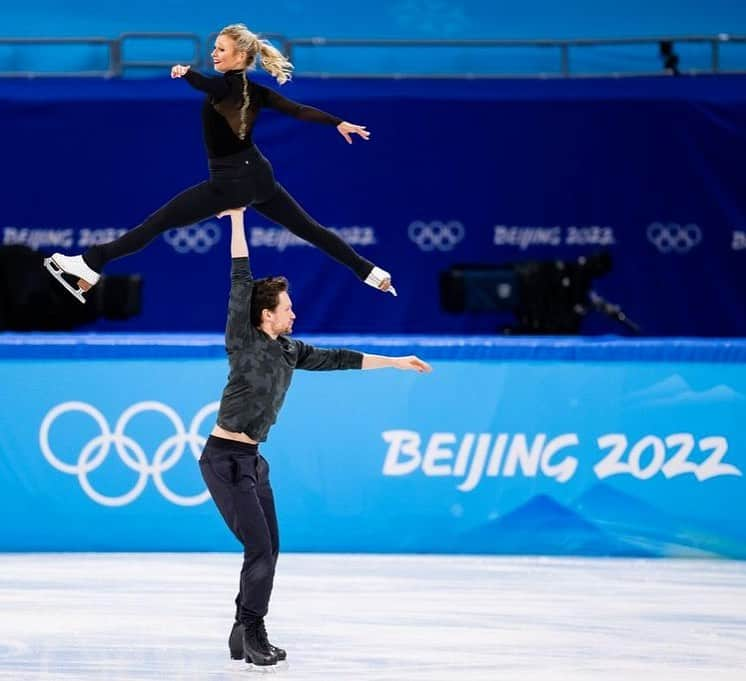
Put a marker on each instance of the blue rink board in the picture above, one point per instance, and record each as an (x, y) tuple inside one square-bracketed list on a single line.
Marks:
[(565, 348), (560, 446)]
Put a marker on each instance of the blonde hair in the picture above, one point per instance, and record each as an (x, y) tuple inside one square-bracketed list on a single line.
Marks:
[(272, 61)]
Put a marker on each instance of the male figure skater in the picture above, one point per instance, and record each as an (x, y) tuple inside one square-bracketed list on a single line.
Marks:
[(262, 358)]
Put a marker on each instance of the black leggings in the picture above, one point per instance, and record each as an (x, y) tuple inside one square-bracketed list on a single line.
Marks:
[(238, 479), (239, 180)]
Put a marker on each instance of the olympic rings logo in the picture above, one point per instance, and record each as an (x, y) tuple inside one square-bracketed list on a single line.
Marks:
[(673, 238), (442, 236), (198, 238), (132, 455)]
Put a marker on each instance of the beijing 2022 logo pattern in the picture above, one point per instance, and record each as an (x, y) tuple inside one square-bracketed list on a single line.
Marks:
[(131, 453)]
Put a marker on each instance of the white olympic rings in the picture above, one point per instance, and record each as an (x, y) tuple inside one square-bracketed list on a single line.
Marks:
[(198, 238), (674, 238), (442, 236), (131, 453)]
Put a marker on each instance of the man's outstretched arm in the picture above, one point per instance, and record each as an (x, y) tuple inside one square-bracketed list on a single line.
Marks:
[(328, 359), (408, 363)]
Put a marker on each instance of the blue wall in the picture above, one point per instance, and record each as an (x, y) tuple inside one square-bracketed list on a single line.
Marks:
[(488, 172)]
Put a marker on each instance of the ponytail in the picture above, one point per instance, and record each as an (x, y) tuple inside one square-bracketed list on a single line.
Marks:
[(274, 62)]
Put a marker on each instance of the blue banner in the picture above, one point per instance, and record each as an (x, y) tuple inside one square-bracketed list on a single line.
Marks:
[(488, 172), (607, 457)]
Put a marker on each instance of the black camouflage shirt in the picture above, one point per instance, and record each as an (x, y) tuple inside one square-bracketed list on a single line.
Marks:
[(261, 368)]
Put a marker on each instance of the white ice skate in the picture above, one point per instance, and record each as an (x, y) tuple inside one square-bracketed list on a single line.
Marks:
[(67, 269), (377, 277)]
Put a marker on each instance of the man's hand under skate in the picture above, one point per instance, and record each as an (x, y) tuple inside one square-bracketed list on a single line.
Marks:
[(231, 212)]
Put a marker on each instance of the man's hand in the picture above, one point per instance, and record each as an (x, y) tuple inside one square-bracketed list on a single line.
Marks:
[(412, 363), (408, 363), (345, 129), (231, 212), (177, 70)]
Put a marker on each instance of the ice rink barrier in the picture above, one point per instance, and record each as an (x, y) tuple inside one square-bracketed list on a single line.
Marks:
[(566, 446)]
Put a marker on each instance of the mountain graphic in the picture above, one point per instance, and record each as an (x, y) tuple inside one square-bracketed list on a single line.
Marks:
[(638, 523), (603, 503), (543, 526), (675, 390)]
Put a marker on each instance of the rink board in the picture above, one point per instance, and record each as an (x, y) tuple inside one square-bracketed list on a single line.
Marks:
[(561, 446)]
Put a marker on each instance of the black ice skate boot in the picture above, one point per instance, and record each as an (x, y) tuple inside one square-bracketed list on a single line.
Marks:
[(253, 650), (235, 641), (264, 640)]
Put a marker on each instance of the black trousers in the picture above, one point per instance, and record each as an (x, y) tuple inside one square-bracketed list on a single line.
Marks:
[(244, 179), (238, 479)]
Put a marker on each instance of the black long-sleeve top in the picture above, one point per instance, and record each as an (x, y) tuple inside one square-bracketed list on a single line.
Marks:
[(261, 367), (221, 112)]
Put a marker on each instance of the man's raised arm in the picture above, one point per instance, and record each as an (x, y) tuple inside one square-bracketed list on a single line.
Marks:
[(238, 327)]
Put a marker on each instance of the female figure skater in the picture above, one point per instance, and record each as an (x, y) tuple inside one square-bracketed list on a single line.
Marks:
[(239, 174)]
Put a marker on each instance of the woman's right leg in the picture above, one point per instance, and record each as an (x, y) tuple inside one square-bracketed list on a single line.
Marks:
[(285, 210), (190, 206)]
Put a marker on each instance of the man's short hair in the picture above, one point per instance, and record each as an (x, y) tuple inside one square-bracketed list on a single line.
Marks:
[(266, 296)]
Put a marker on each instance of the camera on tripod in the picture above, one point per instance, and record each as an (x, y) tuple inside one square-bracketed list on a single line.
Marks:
[(545, 296)]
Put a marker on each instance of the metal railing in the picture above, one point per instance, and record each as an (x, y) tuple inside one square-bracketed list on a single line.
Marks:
[(562, 46), (122, 63), (113, 45), (118, 64)]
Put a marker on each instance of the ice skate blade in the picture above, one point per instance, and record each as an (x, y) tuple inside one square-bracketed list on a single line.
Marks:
[(243, 668), (266, 668), (57, 272), (279, 663)]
